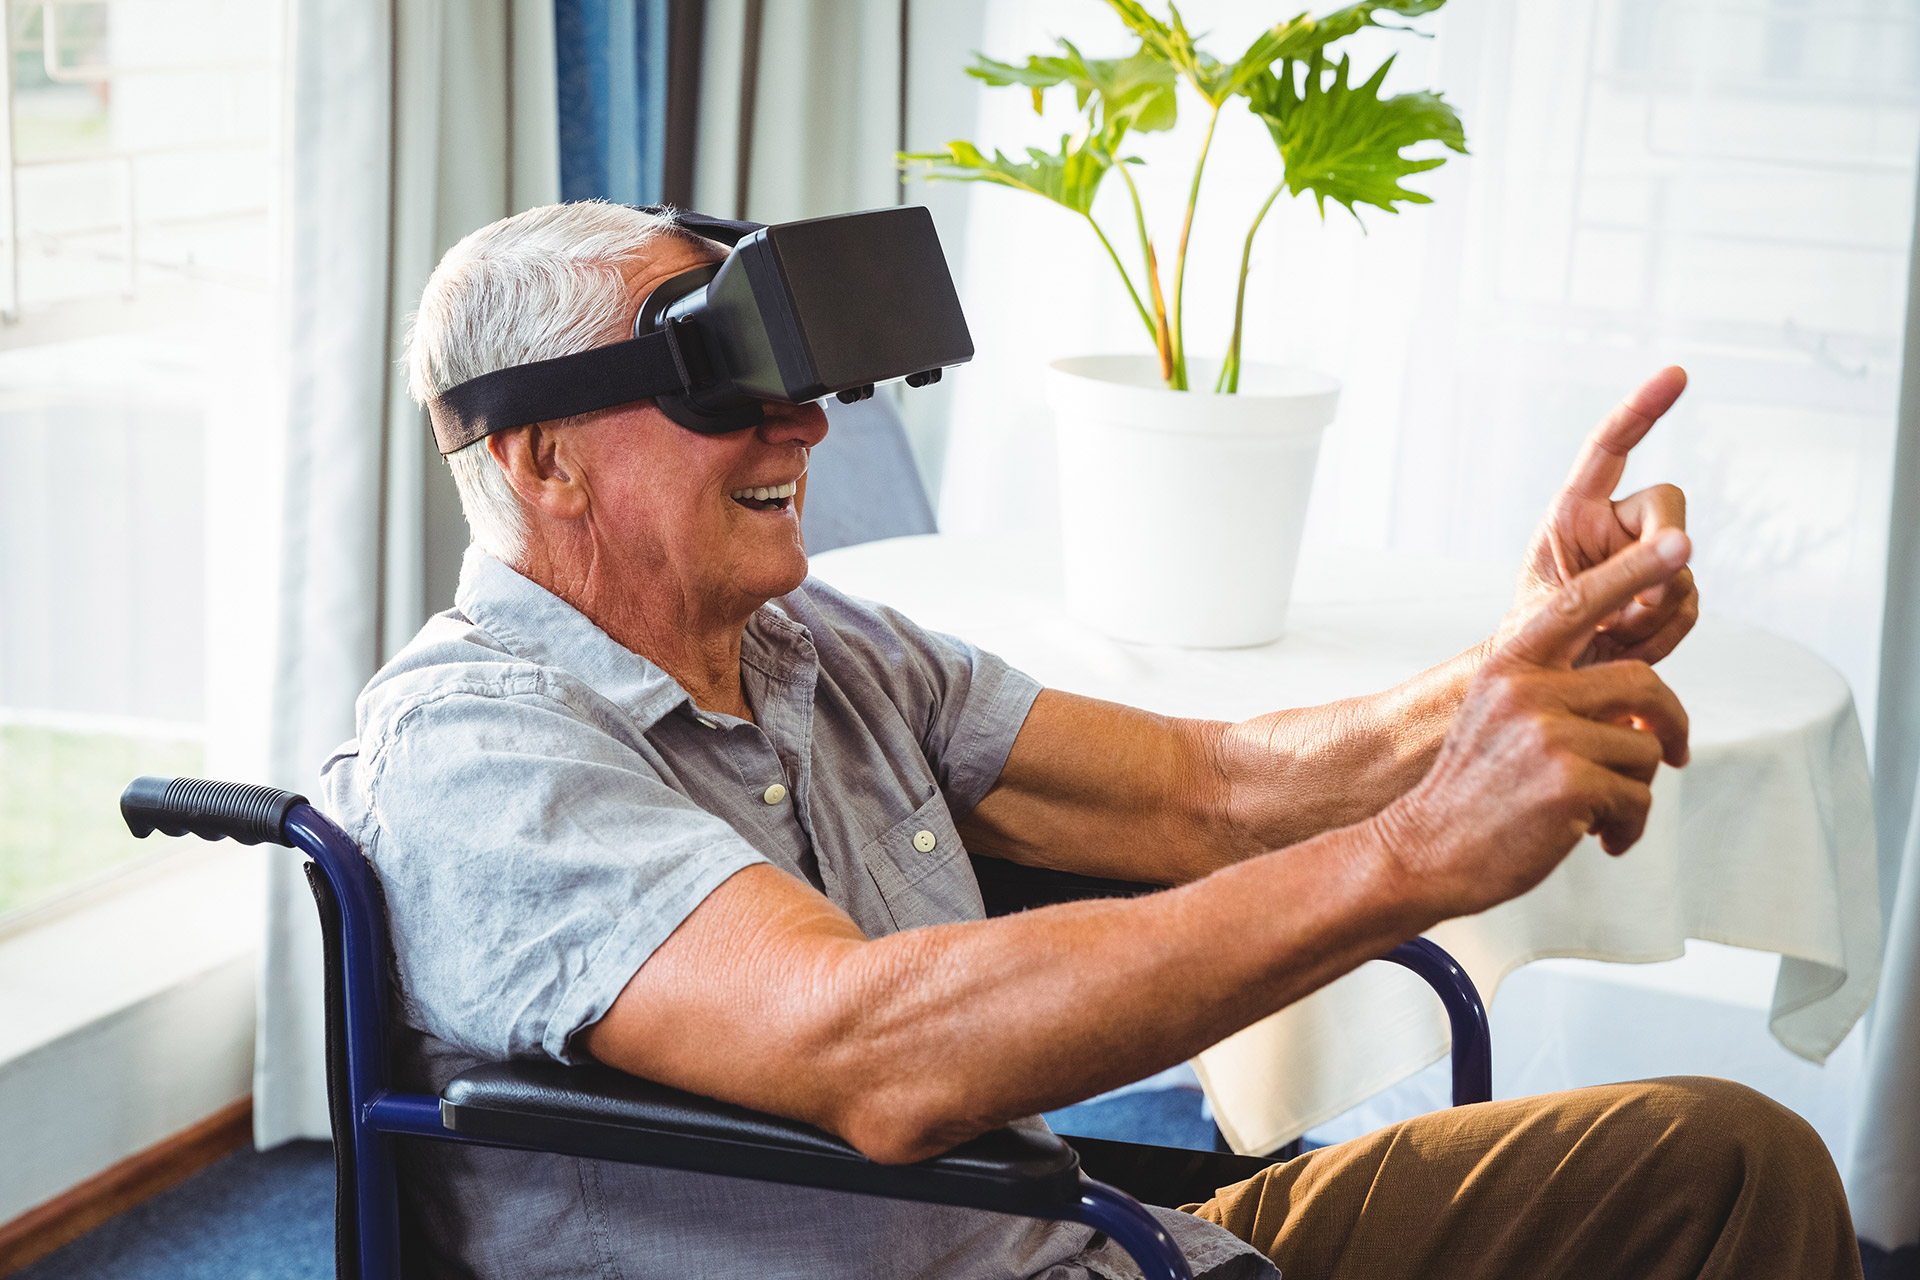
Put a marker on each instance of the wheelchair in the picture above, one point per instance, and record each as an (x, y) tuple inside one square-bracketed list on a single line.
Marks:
[(604, 1114)]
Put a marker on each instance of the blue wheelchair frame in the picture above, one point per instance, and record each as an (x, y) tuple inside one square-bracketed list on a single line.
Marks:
[(604, 1114)]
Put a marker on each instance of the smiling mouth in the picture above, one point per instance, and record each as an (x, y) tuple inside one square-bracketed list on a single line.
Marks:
[(777, 497)]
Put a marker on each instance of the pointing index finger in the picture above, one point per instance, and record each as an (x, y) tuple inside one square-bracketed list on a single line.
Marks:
[(1557, 632), (1603, 459)]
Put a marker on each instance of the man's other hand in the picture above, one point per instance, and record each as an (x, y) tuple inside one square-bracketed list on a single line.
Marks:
[(1585, 525), (1544, 751)]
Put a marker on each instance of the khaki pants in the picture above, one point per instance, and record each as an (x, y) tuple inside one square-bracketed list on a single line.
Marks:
[(1665, 1178)]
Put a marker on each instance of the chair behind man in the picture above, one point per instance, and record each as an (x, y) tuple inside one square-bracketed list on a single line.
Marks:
[(862, 484)]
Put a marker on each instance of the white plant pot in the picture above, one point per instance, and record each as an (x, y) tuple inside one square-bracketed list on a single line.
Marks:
[(1181, 511)]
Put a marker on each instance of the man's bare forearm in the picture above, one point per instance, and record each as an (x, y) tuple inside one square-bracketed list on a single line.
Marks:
[(1009, 1017), (912, 1043), (1108, 790), (1294, 774)]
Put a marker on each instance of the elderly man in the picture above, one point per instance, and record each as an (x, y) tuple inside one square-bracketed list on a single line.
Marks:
[(649, 795)]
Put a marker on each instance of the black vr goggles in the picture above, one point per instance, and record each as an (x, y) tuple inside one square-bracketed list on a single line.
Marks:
[(797, 311)]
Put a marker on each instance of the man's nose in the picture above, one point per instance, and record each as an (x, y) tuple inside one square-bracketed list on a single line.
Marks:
[(802, 424)]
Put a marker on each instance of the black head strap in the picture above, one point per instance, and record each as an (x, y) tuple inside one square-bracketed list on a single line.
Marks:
[(521, 394), (599, 378), (726, 230)]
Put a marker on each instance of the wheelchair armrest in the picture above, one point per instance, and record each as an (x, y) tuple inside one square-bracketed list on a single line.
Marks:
[(604, 1114)]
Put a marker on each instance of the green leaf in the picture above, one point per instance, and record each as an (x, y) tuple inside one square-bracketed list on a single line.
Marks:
[(1155, 35), (1343, 142), (1039, 75), (1070, 178), (1299, 38), (1134, 93), (1171, 43), (1127, 93)]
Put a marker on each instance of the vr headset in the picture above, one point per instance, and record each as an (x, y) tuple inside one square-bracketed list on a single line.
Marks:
[(797, 311)]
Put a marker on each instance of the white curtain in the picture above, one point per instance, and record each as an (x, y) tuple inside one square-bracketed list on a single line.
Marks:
[(412, 122), (825, 108), (826, 124), (1884, 1178)]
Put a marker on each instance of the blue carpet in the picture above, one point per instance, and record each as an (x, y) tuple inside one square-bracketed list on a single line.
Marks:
[(1895, 1264), (252, 1216)]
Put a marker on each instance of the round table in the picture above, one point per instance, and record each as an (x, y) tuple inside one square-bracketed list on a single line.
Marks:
[(1764, 841)]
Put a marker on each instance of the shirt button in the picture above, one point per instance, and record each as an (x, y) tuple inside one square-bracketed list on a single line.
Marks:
[(924, 841), (774, 794), (708, 723)]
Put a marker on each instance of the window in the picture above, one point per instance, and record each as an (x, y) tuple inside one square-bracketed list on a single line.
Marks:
[(1726, 184), (137, 285)]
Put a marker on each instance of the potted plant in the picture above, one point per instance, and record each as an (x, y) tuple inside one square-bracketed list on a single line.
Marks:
[(1220, 451)]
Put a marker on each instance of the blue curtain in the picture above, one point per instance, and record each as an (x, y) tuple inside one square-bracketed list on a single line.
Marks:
[(611, 60)]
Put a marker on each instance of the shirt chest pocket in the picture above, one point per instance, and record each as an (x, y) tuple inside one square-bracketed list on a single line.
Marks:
[(921, 869)]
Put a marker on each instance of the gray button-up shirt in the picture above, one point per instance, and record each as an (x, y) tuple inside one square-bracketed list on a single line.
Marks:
[(543, 807)]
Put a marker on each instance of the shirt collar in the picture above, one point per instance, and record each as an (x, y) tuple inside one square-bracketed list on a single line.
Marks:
[(539, 627)]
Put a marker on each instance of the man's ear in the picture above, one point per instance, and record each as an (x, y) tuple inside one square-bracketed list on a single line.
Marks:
[(537, 468)]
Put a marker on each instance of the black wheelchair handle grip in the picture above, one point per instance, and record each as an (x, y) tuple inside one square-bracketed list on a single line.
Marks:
[(211, 810)]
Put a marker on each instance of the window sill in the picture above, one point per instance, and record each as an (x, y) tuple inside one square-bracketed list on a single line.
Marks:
[(64, 971)]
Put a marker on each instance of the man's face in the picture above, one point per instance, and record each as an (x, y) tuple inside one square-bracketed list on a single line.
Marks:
[(685, 506)]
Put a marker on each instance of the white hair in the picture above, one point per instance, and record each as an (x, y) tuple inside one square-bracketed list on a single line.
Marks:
[(540, 284)]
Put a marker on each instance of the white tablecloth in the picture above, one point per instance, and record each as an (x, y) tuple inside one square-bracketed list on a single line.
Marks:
[(1764, 841)]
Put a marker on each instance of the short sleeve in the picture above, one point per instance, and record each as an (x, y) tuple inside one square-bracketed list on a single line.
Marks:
[(966, 704), (531, 863)]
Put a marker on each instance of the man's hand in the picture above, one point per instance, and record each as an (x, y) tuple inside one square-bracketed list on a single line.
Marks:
[(1585, 525), (1542, 753)]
